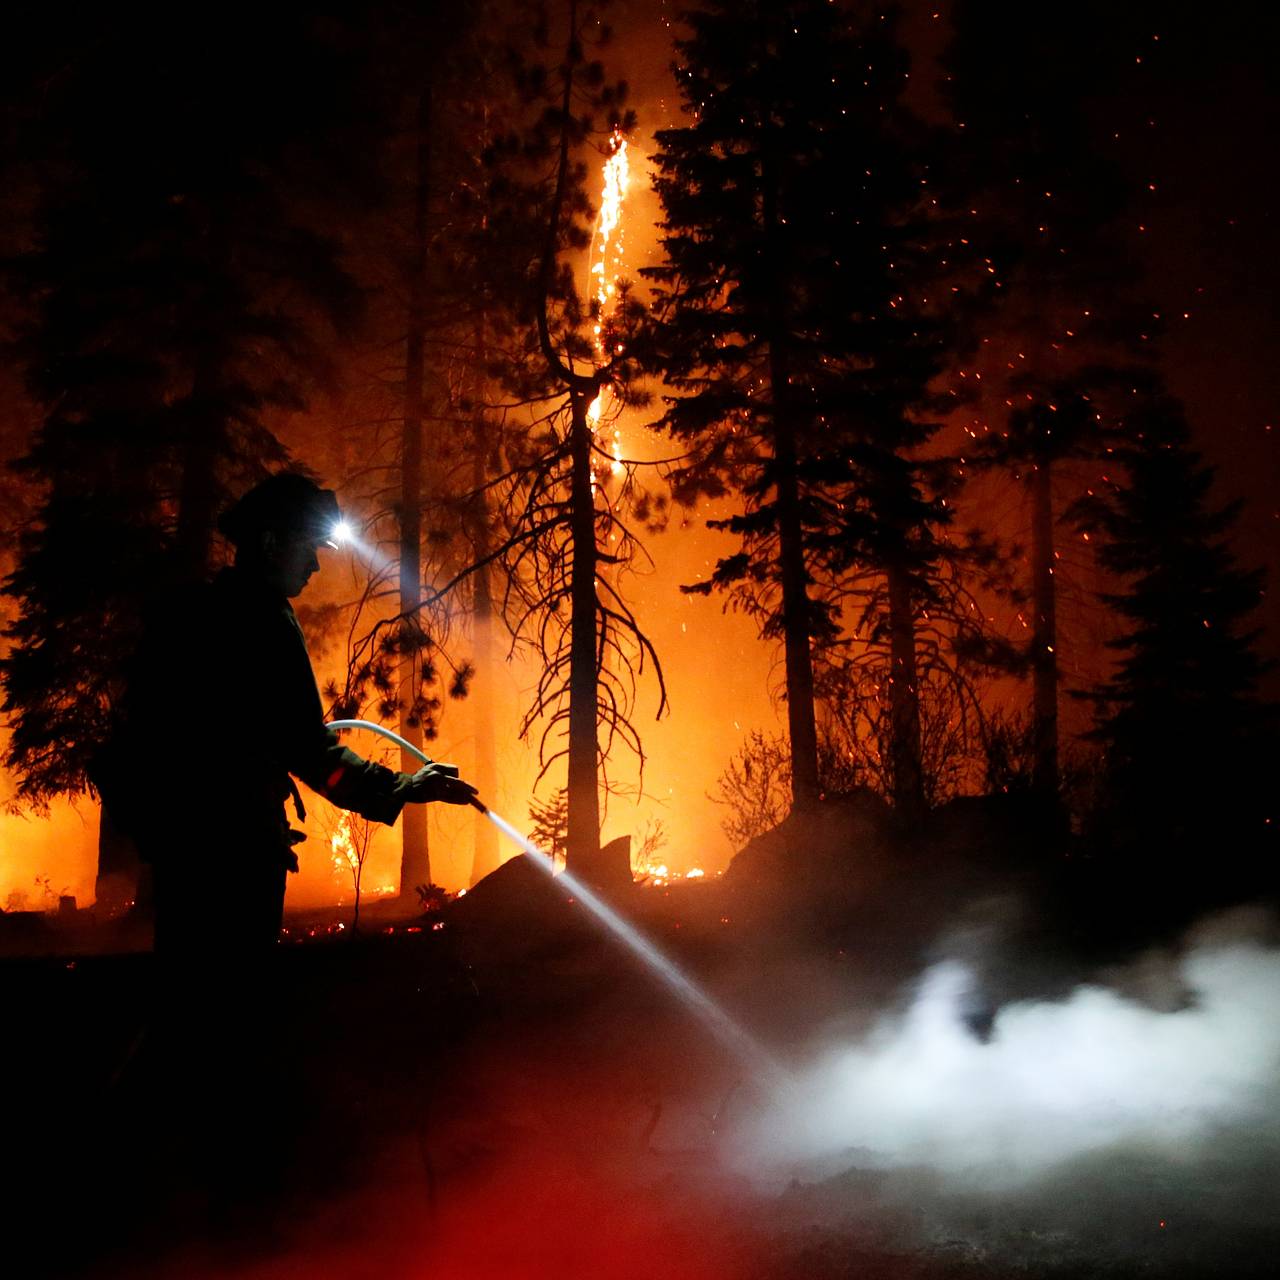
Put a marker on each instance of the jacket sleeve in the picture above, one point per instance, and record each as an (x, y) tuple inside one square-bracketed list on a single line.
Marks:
[(314, 754), (346, 779)]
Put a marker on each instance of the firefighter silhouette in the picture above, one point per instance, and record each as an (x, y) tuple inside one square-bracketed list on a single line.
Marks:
[(221, 714)]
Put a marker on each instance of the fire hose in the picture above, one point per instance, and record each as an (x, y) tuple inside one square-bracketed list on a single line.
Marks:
[(744, 1046), (405, 745)]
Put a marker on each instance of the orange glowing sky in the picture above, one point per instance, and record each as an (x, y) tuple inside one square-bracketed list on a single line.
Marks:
[(721, 679)]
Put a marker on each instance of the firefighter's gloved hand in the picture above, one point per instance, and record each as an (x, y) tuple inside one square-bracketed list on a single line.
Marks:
[(440, 782)]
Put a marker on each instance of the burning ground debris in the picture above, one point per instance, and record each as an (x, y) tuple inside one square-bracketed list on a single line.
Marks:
[(514, 1094), (553, 1112)]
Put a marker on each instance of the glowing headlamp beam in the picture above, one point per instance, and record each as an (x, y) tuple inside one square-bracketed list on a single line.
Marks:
[(342, 535), (339, 534)]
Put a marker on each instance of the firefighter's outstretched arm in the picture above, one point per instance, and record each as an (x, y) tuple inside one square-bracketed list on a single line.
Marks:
[(440, 782)]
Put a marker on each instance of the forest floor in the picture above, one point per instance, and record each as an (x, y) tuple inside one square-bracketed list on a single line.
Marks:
[(493, 1099)]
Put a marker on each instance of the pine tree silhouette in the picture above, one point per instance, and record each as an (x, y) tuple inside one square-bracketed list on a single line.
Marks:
[(763, 253), (797, 323), (177, 296), (1188, 741), (1059, 230)]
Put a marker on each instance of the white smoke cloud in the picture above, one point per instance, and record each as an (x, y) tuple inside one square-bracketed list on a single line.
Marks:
[(1057, 1080)]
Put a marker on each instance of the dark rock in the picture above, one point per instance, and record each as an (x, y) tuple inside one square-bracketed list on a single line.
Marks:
[(816, 864), (609, 868), (22, 931), (515, 912)]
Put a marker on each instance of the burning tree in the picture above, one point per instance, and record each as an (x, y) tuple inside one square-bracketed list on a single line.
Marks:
[(545, 506), (560, 510), (569, 533), (350, 839)]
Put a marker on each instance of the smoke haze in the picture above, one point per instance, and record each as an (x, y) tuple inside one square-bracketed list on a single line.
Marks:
[(1054, 1081)]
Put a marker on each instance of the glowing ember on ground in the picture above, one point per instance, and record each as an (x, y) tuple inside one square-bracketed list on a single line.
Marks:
[(659, 874)]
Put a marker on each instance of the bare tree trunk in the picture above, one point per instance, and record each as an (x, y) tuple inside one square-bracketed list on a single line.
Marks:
[(797, 656), (415, 857), (1044, 638), (121, 878), (798, 659), (583, 838), (1044, 588), (904, 696), (485, 856)]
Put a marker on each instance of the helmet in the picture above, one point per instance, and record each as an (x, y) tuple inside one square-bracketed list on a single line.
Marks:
[(288, 503)]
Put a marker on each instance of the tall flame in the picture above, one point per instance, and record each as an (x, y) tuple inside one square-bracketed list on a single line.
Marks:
[(606, 260)]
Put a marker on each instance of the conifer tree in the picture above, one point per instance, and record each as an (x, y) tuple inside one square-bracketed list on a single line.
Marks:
[(394, 440), (533, 509), (1180, 719), (1061, 221), (797, 325), (569, 535), (756, 239), (177, 293)]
